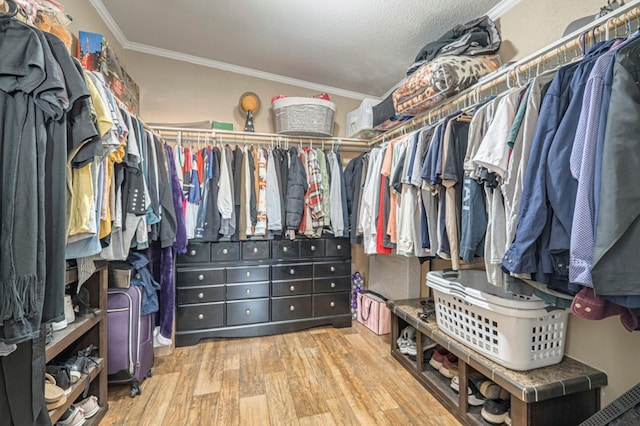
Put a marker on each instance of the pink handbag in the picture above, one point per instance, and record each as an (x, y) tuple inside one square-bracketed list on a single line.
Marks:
[(373, 312)]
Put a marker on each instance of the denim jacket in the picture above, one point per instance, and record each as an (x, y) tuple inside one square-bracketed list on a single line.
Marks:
[(143, 278)]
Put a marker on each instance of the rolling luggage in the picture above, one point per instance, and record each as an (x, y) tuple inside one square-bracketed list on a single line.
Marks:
[(130, 338)]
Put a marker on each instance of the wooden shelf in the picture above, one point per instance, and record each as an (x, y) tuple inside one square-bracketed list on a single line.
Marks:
[(63, 338), (77, 389), (84, 331)]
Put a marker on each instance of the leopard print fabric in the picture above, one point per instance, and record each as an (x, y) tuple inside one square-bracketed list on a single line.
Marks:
[(440, 79)]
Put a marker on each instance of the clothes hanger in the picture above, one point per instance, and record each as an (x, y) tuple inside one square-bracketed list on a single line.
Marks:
[(11, 12)]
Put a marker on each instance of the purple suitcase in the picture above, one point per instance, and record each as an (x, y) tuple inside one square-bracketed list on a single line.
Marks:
[(130, 338)]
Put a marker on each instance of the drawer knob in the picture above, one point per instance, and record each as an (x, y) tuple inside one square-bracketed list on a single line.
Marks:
[(200, 316), (292, 288), (248, 274), (248, 312), (285, 249), (332, 304), (192, 252), (225, 251), (200, 295), (292, 308), (313, 248), (248, 291), (292, 271), (255, 249), (200, 277), (333, 269), (333, 285), (339, 246)]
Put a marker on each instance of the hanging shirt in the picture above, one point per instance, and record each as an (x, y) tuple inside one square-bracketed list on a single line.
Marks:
[(335, 194), (272, 194), (261, 225)]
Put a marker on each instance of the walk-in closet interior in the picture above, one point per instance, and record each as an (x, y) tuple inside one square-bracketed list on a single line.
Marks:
[(319, 213)]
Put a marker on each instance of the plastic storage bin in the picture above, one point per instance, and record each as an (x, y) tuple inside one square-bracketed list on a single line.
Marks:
[(304, 116), (513, 330), (360, 120)]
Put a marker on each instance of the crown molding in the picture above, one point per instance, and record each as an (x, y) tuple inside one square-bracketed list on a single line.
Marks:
[(110, 22), (250, 72), (501, 8), (210, 63)]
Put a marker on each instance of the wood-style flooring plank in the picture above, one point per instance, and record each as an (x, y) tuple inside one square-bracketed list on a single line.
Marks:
[(209, 378), (282, 409), (271, 355), (251, 375), (254, 410), (323, 419), (228, 408), (322, 376)]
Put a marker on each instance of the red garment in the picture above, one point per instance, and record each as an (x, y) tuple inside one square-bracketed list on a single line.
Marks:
[(200, 161), (380, 248)]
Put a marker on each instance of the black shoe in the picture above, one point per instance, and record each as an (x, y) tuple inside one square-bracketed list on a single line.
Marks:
[(495, 411), (62, 375), (81, 300)]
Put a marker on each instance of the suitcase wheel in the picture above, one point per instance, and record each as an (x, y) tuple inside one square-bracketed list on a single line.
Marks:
[(135, 390), (149, 373)]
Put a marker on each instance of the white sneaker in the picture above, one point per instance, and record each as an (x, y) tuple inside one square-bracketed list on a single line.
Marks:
[(69, 314), (60, 325)]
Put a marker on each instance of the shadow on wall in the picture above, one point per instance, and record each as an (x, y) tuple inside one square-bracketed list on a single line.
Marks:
[(507, 51)]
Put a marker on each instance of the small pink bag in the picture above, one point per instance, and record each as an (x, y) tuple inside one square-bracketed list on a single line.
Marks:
[(373, 312)]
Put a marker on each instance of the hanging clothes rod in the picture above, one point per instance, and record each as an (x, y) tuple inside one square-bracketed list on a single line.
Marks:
[(561, 51), (183, 134)]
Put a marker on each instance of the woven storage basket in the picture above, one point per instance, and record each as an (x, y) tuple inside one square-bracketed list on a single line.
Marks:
[(304, 116), (515, 331)]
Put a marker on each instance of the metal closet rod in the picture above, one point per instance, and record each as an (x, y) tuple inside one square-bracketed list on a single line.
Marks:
[(528, 67), (185, 133)]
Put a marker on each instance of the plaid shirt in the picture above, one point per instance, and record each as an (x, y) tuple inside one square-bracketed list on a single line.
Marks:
[(314, 193)]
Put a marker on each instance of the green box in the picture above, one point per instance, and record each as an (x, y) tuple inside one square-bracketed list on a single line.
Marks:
[(222, 125)]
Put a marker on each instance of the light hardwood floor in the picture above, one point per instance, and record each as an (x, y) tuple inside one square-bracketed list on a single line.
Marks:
[(322, 376)]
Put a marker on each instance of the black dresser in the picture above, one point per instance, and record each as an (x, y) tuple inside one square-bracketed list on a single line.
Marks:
[(262, 287)]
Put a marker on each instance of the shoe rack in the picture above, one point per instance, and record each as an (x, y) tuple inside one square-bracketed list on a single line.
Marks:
[(562, 394), (84, 331)]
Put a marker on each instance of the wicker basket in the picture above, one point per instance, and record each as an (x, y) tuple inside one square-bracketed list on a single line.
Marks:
[(304, 116)]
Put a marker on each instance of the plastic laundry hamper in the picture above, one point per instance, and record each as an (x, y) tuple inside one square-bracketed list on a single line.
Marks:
[(513, 330)]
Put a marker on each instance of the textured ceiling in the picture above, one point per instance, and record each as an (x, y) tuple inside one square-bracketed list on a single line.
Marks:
[(361, 47)]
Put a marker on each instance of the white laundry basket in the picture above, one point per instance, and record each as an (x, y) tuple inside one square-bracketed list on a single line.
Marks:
[(513, 330)]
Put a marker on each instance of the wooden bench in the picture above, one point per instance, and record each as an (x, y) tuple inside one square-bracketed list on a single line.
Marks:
[(563, 394)]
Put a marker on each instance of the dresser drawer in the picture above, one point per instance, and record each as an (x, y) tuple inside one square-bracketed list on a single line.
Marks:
[(331, 304), (199, 277), (225, 252), (332, 269), (214, 293), (288, 288), (325, 285), (252, 250), (248, 290), (284, 249), (247, 274), (206, 315), (312, 248), (196, 252), (338, 247), (289, 308), (291, 271), (247, 311)]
